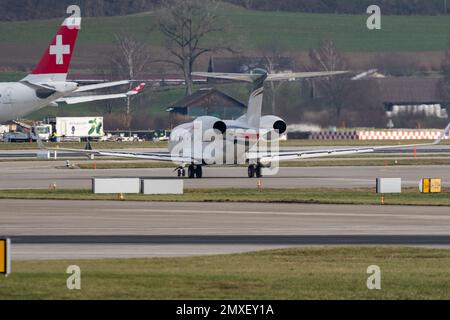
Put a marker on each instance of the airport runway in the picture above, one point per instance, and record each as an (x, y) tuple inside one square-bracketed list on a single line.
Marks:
[(39, 175), (96, 229), (31, 154)]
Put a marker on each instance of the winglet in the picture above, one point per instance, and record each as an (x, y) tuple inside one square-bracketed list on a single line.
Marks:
[(136, 90)]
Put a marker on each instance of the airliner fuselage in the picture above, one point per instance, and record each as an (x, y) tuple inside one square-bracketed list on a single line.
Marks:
[(17, 100)]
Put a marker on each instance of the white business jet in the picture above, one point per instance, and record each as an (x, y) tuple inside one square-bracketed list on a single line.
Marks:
[(209, 141)]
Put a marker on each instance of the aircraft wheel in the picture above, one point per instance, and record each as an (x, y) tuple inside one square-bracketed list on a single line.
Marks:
[(181, 173), (258, 172), (251, 172), (191, 172), (199, 172)]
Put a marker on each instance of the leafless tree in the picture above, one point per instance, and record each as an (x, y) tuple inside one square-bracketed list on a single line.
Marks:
[(273, 53), (130, 59), (328, 58), (444, 85), (107, 73), (185, 25), (132, 56)]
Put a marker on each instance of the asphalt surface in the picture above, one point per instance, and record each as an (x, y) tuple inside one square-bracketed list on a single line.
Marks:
[(96, 229), (39, 175), (31, 154), (93, 230)]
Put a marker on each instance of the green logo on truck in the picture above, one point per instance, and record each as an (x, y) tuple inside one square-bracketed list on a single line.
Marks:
[(95, 127)]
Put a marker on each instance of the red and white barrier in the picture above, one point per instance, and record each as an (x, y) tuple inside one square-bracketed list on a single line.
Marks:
[(335, 136), (379, 135)]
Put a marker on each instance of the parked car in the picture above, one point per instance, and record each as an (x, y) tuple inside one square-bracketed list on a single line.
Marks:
[(16, 137)]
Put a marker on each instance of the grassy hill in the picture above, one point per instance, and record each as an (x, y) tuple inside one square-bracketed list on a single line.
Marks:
[(23, 42), (255, 28)]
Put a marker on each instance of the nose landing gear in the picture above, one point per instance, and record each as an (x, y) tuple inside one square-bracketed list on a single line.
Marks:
[(255, 171), (181, 172)]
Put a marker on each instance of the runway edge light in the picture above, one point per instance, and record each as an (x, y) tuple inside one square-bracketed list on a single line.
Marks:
[(5, 256)]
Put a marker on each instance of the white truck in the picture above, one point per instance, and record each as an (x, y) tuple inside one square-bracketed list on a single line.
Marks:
[(79, 128), (69, 129), (41, 132)]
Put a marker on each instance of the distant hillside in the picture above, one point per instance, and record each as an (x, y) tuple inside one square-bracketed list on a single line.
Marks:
[(13, 10), (249, 29), (389, 7)]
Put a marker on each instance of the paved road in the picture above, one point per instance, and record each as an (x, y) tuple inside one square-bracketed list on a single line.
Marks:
[(97, 229), (38, 175)]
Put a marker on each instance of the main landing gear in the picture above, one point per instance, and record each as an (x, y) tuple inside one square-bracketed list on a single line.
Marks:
[(194, 171), (255, 171), (181, 172)]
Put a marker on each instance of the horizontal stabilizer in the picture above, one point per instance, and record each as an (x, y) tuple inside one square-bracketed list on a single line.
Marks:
[(248, 77), (229, 76), (302, 75)]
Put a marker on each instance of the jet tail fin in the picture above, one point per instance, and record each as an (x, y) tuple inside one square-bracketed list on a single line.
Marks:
[(254, 112), (55, 62)]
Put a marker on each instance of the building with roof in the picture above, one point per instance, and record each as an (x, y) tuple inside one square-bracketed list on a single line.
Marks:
[(209, 102), (398, 95), (412, 96)]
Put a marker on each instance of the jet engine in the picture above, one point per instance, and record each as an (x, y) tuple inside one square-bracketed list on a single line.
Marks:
[(210, 123), (274, 127)]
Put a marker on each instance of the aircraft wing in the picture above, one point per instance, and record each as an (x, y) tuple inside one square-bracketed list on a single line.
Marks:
[(101, 86), (162, 157), (247, 77), (300, 155), (84, 99), (75, 100)]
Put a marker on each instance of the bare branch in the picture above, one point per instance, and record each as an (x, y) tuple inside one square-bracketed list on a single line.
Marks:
[(186, 24)]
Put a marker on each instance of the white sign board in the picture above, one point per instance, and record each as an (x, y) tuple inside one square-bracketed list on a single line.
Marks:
[(116, 185), (162, 186), (389, 185)]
